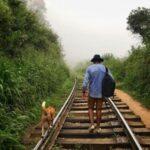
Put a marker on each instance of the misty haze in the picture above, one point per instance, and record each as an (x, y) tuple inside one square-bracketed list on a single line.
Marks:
[(90, 27), (74, 74)]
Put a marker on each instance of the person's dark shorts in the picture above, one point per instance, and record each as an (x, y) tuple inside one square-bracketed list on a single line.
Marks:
[(92, 101)]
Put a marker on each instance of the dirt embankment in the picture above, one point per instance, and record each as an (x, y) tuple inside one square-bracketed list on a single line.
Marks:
[(135, 106)]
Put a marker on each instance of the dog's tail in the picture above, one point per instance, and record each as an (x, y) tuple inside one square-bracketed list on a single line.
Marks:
[(43, 104)]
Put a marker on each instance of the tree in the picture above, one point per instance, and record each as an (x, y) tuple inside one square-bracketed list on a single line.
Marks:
[(139, 23), (21, 27)]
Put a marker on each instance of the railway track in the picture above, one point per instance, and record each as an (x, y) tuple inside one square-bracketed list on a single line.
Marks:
[(121, 128)]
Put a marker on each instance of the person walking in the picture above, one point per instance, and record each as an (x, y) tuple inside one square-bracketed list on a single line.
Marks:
[(93, 81)]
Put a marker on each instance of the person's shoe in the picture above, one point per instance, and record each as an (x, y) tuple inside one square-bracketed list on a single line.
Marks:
[(98, 130), (91, 128)]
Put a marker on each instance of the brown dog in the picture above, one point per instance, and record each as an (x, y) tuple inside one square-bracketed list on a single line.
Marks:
[(47, 116)]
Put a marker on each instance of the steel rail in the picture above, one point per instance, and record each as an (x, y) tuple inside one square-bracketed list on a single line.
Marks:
[(134, 142), (56, 119)]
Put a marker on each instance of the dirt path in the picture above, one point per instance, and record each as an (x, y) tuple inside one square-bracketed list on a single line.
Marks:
[(135, 106)]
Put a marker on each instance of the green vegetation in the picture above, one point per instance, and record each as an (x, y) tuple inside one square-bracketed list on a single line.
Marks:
[(80, 69), (32, 69), (139, 23), (132, 73)]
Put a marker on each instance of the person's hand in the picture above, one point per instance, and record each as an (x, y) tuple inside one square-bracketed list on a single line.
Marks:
[(83, 95)]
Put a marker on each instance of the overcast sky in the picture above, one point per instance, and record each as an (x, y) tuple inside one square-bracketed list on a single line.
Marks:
[(88, 27)]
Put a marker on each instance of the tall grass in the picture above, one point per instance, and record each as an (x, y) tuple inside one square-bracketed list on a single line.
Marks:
[(31, 69)]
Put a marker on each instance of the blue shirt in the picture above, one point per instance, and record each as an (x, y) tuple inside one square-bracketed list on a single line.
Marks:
[(93, 80)]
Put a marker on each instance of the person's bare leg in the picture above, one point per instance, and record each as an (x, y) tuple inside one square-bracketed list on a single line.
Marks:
[(91, 116), (91, 111), (99, 104), (91, 104)]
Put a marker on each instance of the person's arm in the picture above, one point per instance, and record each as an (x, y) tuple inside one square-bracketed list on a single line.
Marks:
[(85, 83)]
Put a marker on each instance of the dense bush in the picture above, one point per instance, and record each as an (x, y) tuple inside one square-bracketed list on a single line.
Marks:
[(133, 72), (31, 69), (35, 75), (116, 66), (138, 63), (20, 28), (137, 78)]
